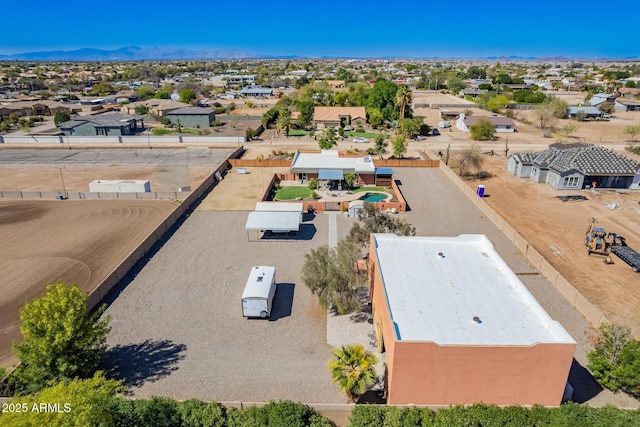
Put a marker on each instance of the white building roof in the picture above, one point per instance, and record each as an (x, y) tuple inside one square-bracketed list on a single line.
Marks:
[(274, 221), (435, 298), (329, 159)]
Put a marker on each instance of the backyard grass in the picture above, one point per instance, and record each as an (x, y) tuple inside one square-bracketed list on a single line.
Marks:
[(292, 192), (361, 189), (364, 134)]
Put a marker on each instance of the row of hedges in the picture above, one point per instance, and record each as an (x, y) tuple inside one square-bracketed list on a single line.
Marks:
[(569, 415)]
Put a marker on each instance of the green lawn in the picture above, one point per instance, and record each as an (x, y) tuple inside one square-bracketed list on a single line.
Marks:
[(292, 192), (298, 132), (361, 189), (364, 134)]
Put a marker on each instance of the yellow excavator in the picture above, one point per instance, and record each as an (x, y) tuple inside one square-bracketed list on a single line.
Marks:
[(595, 240)]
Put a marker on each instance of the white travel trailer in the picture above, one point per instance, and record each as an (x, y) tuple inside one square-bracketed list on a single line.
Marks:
[(257, 297)]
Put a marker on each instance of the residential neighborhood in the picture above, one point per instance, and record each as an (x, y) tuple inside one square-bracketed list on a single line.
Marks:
[(247, 232)]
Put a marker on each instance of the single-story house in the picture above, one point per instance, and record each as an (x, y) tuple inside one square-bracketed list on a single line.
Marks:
[(330, 167), (34, 108), (112, 124), (601, 98), (576, 166), (256, 92), (324, 117), (588, 112), (335, 84), (502, 124), (629, 104), (473, 92), (156, 107), (449, 115), (457, 326), (192, 117)]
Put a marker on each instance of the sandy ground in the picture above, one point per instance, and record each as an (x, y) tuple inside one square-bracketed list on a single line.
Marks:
[(557, 230), (77, 241), (77, 178)]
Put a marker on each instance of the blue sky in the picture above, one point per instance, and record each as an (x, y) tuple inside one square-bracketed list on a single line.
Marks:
[(358, 28)]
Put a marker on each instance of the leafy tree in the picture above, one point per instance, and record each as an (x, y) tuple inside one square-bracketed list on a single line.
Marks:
[(329, 273), (102, 88), (376, 119), (250, 134), (373, 220), (61, 341), (485, 86), (187, 95), (157, 412), (162, 94), (632, 130), (358, 94), (497, 103), (399, 145), (141, 110), (529, 96), (483, 130), (328, 139), (305, 108), (383, 98), (545, 114), (61, 117), (84, 402), (470, 158), (630, 84), (353, 369), (558, 106), (455, 85), (502, 78), (380, 144), (283, 123), (615, 359), (568, 129), (350, 178), (145, 92)]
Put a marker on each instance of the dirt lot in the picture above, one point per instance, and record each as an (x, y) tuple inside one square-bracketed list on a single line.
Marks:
[(77, 178), (557, 230), (76, 241)]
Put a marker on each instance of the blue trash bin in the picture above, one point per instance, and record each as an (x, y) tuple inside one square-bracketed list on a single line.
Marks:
[(480, 190)]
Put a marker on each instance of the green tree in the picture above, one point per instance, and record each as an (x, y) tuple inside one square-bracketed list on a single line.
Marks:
[(557, 106), (615, 359), (283, 123), (145, 92), (162, 94), (373, 220), (399, 145), (545, 115), (358, 94), (84, 402), (376, 119), (568, 129), (329, 273), (141, 110), (632, 130), (383, 98), (187, 95), (380, 144), (328, 139), (630, 84), (470, 158), (497, 103), (195, 413), (483, 130), (61, 341), (455, 85), (61, 117), (250, 134), (305, 108), (353, 369), (102, 88)]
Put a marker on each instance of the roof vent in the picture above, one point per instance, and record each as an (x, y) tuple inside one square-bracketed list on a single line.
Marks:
[(476, 320)]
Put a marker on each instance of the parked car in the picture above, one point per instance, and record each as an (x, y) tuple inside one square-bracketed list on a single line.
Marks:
[(419, 137), (444, 124), (360, 139), (435, 132)]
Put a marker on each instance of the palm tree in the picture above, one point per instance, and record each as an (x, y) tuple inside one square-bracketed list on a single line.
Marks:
[(403, 98), (470, 158), (283, 123), (353, 369)]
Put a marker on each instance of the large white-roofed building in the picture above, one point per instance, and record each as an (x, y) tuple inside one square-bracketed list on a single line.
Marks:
[(329, 165), (459, 327)]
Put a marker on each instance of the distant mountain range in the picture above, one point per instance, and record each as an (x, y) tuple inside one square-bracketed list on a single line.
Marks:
[(133, 53)]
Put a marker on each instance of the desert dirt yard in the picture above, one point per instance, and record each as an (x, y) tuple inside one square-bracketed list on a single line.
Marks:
[(557, 230), (77, 241)]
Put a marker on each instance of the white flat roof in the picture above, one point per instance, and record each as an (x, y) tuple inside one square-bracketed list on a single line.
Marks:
[(274, 221), (279, 207), (435, 298), (329, 159)]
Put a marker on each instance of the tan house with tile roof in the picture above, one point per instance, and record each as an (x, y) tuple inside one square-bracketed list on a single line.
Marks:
[(324, 117), (157, 107)]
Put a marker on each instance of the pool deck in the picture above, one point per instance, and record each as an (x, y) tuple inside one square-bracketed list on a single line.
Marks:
[(337, 196)]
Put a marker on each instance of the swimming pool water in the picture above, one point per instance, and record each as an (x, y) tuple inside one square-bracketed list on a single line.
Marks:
[(373, 197)]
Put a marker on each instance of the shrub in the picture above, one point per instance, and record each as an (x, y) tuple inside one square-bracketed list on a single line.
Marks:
[(160, 131), (313, 184), (165, 121)]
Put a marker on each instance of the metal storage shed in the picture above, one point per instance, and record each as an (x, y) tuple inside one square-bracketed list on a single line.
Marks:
[(276, 222)]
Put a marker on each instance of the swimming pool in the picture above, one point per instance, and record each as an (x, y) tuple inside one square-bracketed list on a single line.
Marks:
[(373, 197)]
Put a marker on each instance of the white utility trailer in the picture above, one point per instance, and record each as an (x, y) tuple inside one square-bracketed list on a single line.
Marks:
[(257, 297)]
